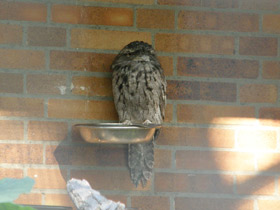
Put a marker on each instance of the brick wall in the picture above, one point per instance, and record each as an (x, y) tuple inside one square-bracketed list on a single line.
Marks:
[(220, 145)]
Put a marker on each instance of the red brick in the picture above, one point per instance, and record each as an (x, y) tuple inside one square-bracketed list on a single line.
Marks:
[(193, 183), (11, 130), (81, 61), (224, 161), (11, 83), (270, 116), (199, 20), (258, 93), (271, 23), (10, 34), (108, 180), (46, 36), (105, 39), (46, 84), (271, 70), (86, 155), (155, 18), (166, 64), (259, 46), (21, 153), (21, 107), (168, 113), (202, 3), (150, 202), (10, 173), (22, 59), (215, 114), (23, 11), (30, 199), (217, 67), (191, 43), (218, 91), (58, 200), (92, 15), (259, 4), (269, 204), (213, 204), (183, 90), (197, 137), (49, 131), (80, 109), (255, 185), (268, 162), (189, 90), (92, 86), (163, 158), (257, 139), (48, 178)]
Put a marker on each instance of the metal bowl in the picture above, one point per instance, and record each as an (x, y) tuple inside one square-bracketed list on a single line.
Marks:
[(117, 133)]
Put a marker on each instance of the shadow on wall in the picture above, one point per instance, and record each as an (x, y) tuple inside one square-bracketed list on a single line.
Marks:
[(103, 165), (223, 167)]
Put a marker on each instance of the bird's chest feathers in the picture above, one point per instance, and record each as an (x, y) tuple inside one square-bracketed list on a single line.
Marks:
[(139, 86)]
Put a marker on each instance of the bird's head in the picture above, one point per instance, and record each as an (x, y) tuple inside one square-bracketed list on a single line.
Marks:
[(137, 50)]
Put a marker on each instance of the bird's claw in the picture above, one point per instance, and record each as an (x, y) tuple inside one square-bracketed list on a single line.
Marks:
[(147, 122)]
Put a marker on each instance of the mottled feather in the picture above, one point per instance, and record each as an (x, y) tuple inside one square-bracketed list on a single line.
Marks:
[(139, 89)]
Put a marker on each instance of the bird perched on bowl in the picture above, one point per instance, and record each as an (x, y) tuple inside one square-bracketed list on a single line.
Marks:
[(139, 90)]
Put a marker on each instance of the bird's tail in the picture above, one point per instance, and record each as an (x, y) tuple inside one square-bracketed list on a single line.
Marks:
[(141, 161)]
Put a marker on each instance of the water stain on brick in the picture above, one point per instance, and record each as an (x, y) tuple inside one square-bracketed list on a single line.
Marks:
[(182, 90), (259, 46), (218, 91), (217, 67), (46, 36), (212, 91)]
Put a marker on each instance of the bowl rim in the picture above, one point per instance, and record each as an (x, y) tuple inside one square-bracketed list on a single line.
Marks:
[(117, 126)]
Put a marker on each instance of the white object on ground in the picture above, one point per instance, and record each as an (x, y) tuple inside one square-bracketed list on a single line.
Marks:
[(86, 198)]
